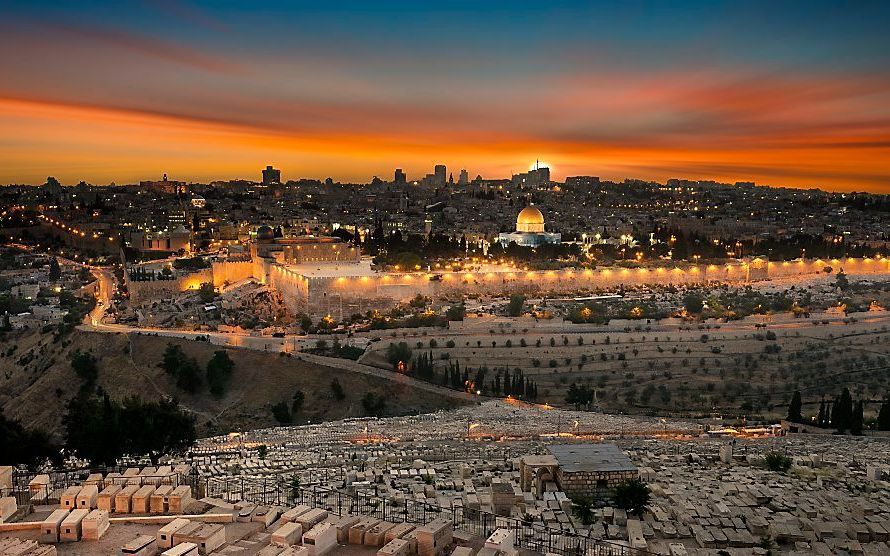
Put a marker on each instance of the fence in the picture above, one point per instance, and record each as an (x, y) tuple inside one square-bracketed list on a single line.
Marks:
[(59, 480), (528, 534)]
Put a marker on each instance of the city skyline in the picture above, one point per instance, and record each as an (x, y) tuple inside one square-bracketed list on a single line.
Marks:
[(791, 95), (499, 278)]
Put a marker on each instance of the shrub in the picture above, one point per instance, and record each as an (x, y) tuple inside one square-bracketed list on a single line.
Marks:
[(85, 365), (514, 308), (374, 405), (219, 372), (398, 353), (281, 413), (337, 390), (583, 508), (456, 313), (297, 402), (632, 495), (775, 461)]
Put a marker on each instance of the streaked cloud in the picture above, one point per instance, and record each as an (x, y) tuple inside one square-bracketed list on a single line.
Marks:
[(145, 45), (348, 89)]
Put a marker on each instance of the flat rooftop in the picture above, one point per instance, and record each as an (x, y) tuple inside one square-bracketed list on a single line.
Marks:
[(594, 458)]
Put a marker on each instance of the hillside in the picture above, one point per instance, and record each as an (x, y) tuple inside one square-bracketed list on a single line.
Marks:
[(737, 368), (36, 381)]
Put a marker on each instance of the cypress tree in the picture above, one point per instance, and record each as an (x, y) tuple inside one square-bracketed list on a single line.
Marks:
[(857, 419), (843, 411), (884, 416), (794, 408)]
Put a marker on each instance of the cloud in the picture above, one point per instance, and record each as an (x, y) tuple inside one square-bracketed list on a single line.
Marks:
[(191, 14), (146, 45), (762, 123)]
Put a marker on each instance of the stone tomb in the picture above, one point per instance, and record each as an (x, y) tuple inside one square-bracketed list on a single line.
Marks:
[(208, 536), (321, 539), (8, 507), (357, 531), (288, 534), (344, 525), (143, 545), (94, 525), (159, 502), (375, 535), (70, 529), (179, 499), (183, 549), (87, 497), (433, 538), (123, 500), (68, 500), (50, 527), (165, 533), (105, 500), (395, 547), (141, 500)]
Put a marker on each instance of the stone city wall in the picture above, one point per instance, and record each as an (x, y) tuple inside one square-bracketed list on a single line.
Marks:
[(344, 296), (359, 294), (293, 287), (142, 292), (850, 265), (230, 272)]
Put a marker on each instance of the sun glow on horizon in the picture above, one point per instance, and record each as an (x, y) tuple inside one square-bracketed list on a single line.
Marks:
[(540, 164)]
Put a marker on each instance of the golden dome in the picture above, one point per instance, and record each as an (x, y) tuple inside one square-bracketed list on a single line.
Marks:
[(530, 219)]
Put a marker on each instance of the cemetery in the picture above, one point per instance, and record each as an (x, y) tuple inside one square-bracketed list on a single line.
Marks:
[(490, 479)]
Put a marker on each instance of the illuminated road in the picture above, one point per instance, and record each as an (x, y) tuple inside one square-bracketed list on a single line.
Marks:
[(93, 322), (275, 345), (104, 294)]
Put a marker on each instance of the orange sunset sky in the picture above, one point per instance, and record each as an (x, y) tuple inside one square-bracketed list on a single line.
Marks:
[(789, 95)]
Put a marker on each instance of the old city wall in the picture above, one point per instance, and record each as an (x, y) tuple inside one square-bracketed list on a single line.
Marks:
[(344, 296), (805, 267), (571, 281), (230, 272), (358, 294), (293, 287), (406, 286), (142, 292)]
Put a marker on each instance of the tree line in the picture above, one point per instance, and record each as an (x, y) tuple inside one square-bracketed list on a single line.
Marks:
[(187, 371), (423, 366), (102, 430), (843, 413)]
